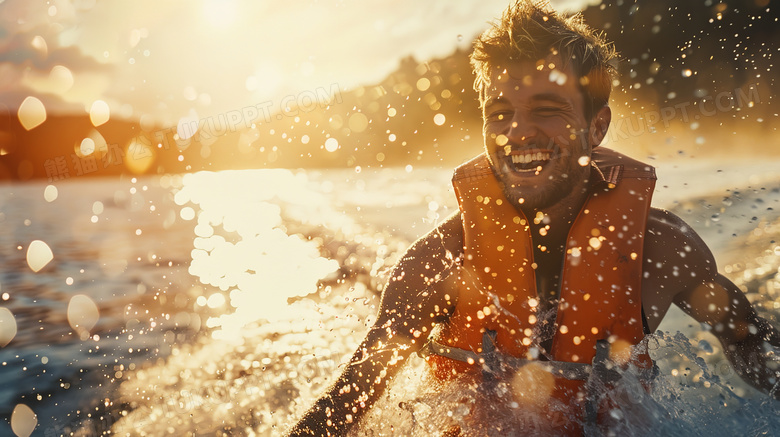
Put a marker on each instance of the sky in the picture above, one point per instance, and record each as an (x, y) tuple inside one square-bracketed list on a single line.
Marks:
[(170, 60)]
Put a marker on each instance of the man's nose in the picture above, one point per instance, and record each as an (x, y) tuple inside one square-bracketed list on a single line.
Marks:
[(521, 130)]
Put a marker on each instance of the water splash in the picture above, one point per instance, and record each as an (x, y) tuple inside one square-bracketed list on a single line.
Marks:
[(260, 387), (699, 402)]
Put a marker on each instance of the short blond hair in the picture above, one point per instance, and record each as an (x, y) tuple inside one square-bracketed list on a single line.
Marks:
[(532, 31)]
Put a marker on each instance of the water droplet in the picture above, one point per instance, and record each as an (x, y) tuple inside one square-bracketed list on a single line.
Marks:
[(50, 193), (83, 314), (38, 255), (358, 122), (23, 421), (423, 84), (7, 326), (97, 207), (99, 113), (31, 113), (139, 155), (705, 346), (39, 44), (87, 147), (331, 144), (558, 77), (532, 385), (61, 77)]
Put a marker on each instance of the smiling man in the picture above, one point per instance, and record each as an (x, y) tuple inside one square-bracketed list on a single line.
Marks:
[(539, 294)]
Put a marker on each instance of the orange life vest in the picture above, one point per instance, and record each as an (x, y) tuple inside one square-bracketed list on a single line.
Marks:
[(600, 297)]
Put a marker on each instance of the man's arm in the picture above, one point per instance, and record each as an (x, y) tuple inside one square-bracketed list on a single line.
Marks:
[(680, 269), (411, 304)]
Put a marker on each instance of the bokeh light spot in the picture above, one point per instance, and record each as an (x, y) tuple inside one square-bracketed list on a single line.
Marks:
[(99, 113), (23, 421), (38, 255), (331, 144), (83, 314), (50, 193), (7, 326), (31, 113)]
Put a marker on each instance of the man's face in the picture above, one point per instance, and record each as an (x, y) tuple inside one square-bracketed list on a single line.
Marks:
[(535, 132)]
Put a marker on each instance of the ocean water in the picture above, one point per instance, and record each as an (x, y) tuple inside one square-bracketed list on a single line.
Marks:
[(225, 303)]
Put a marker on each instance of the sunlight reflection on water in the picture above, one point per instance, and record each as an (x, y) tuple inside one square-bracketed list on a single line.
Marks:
[(290, 266), (262, 267)]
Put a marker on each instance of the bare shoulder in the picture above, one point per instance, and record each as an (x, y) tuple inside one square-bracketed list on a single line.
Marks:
[(416, 293), (676, 261), (676, 245), (445, 240)]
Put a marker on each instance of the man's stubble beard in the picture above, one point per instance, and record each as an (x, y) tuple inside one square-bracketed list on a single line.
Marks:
[(547, 192)]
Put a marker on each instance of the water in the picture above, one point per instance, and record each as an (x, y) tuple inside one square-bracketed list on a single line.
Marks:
[(229, 301), (137, 279)]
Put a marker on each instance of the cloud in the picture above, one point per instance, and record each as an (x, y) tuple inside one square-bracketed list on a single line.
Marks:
[(19, 49), (154, 56), (27, 60)]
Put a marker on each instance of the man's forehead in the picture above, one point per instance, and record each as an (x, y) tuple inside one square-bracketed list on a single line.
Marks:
[(550, 73), (529, 71)]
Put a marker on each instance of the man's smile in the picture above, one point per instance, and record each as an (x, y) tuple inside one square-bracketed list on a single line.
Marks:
[(528, 161)]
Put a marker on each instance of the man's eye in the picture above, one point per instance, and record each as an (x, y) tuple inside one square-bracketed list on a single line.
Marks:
[(499, 116)]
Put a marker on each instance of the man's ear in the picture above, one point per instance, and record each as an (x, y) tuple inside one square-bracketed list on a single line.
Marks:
[(599, 125)]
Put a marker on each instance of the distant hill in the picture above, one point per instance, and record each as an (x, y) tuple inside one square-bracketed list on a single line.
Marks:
[(426, 112), (692, 48)]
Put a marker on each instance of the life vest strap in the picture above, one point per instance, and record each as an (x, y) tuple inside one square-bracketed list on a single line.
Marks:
[(564, 369), (489, 360)]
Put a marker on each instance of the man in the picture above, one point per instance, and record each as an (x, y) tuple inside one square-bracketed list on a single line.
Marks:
[(556, 267)]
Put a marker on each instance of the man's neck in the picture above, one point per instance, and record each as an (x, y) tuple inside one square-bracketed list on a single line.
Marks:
[(553, 222)]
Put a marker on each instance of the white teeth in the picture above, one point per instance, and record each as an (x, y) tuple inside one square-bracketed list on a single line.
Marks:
[(530, 157)]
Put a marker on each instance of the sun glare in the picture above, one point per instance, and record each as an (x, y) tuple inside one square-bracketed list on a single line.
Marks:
[(220, 13)]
